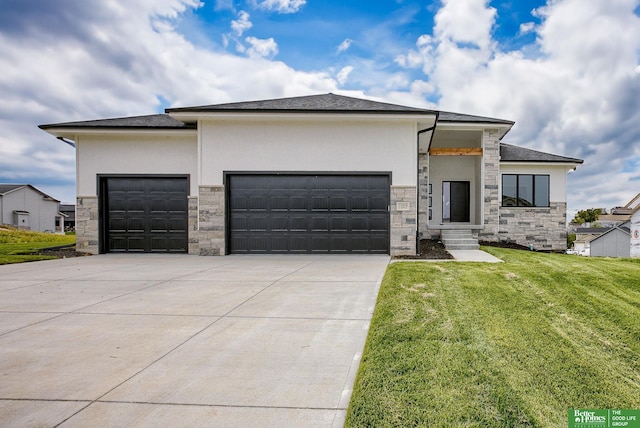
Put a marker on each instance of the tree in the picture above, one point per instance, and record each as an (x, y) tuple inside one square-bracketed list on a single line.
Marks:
[(590, 215)]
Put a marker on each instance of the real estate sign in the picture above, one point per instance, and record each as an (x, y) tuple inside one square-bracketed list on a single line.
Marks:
[(581, 418)]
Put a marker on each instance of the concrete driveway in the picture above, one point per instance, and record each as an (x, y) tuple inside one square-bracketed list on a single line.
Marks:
[(173, 340)]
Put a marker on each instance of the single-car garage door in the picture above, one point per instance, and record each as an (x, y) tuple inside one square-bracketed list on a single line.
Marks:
[(144, 214), (294, 213)]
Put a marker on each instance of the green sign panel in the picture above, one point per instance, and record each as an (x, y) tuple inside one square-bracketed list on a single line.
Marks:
[(589, 418)]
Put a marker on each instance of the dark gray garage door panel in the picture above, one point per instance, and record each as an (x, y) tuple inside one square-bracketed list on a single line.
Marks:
[(145, 215), (308, 213)]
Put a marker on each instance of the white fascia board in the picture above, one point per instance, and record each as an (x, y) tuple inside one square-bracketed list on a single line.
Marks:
[(475, 126), (73, 133), (339, 116), (568, 165)]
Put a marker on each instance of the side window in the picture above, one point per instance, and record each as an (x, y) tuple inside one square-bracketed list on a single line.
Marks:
[(541, 197), (525, 190), (509, 190)]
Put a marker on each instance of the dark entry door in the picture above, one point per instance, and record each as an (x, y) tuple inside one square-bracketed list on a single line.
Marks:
[(456, 201), (144, 214), (297, 213)]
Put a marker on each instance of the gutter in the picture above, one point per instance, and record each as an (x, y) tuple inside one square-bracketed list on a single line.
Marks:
[(422, 131), (69, 142)]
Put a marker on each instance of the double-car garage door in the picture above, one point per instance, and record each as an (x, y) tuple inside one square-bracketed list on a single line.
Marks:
[(266, 213), (303, 213)]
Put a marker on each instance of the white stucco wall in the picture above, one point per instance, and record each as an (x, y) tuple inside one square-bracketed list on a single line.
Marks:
[(557, 177), (635, 235), (328, 145), (134, 154)]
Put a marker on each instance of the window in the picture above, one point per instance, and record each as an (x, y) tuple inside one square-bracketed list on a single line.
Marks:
[(525, 190)]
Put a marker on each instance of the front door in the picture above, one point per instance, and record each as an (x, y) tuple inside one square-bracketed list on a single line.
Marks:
[(455, 201)]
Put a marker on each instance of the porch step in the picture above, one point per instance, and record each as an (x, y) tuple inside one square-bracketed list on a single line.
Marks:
[(461, 239)]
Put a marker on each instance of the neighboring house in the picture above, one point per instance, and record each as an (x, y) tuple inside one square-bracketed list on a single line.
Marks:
[(25, 207), (615, 242), (634, 226), (69, 211), (584, 236), (315, 174), (619, 215)]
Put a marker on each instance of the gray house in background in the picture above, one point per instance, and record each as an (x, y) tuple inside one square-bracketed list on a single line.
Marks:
[(69, 212), (613, 243), (27, 208)]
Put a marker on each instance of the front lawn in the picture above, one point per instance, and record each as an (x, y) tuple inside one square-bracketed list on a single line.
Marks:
[(509, 344), (17, 246)]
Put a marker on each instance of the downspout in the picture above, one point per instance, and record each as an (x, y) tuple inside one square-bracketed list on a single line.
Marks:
[(422, 131)]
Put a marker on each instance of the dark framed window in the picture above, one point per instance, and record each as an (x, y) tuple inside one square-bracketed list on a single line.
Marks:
[(525, 190)]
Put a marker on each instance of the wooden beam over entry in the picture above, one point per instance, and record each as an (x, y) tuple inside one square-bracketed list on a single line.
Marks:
[(462, 151)]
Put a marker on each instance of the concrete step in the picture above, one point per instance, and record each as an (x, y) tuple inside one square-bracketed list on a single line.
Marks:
[(467, 245), (459, 239)]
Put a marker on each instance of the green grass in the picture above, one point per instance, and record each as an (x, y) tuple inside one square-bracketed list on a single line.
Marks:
[(507, 345), (16, 245)]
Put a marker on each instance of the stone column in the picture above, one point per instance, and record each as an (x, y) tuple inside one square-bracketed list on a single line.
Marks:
[(210, 233), (87, 224), (423, 192), (403, 220), (491, 164)]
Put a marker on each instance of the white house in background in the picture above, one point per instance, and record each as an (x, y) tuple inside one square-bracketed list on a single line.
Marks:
[(316, 174), (635, 233), (25, 207)]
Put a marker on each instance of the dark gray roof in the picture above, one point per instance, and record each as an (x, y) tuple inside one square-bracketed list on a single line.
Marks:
[(325, 103), (6, 188), (155, 121), (622, 229), (592, 230), (509, 153), (446, 116), (330, 103)]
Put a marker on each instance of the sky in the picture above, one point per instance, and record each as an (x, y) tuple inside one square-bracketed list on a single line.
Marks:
[(566, 71)]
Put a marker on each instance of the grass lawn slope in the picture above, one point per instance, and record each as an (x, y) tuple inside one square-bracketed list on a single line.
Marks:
[(16, 245), (511, 344)]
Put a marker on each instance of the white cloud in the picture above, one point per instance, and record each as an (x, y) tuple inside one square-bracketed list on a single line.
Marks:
[(579, 96), (527, 27), (223, 5), (343, 74), (109, 61), (346, 44), (241, 24), (282, 6), (262, 48), (465, 21)]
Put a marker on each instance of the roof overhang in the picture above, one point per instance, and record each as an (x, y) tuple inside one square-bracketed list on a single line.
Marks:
[(570, 166), (73, 133), (503, 128)]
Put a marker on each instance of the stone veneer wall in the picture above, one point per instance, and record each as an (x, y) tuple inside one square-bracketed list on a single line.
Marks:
[(207, 238), (491, 159), (403, 220), (87, 224), (423, 193), (544, 228), (192, 227)]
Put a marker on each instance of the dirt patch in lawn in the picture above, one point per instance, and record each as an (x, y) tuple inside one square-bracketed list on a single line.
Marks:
[(504, 244), (61, 252), (430, 249)]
